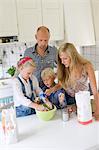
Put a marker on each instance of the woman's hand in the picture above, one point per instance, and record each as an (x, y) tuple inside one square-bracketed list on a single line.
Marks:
[(53, 89), (48, 91), (96, 116)]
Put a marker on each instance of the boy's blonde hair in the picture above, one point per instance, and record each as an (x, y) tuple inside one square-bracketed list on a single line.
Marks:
[(47, 72)]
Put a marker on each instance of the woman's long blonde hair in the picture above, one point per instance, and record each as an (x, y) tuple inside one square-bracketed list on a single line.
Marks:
[(77, 61)]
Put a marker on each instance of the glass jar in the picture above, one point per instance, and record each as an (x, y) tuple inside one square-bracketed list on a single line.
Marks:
[(65, 114)]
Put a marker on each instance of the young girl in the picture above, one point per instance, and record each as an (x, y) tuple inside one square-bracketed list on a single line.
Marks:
[(74, 72), (25, 87), (58, 97)]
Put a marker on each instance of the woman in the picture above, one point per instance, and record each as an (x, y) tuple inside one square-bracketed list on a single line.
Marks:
[(74, 71)]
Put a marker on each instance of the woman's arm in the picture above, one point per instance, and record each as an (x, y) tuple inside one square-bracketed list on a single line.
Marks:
[(92, 80), (53, 89)]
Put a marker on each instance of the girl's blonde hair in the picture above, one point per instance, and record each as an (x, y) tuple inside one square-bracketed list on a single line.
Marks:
[(65, 75), (47, 72), (24, 62)]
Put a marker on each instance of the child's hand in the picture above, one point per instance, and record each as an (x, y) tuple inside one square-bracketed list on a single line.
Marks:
[(41, 108), (37, 100), (49, 104)]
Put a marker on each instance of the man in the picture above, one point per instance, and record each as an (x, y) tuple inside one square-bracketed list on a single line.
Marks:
[(43, 54)]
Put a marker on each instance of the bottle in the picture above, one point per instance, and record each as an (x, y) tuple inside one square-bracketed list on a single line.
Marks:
[(42, 96), (65, 115)]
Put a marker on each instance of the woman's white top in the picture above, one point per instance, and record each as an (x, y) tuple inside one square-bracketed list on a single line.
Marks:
[(19, 98)]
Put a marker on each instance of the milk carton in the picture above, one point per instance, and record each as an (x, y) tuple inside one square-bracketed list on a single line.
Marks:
[(9, 132), (8, 124), (6, 96)]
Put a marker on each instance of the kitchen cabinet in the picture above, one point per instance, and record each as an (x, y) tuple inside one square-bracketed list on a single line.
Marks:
[(52, 15), (8, 18), (29, 18), (34, 13), (78, 22), (95, 11)]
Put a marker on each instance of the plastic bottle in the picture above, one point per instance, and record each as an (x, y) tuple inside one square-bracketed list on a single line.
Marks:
[(43, 97)]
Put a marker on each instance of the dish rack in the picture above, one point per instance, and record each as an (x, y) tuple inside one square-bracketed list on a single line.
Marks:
[(5, 105), (6, 96)]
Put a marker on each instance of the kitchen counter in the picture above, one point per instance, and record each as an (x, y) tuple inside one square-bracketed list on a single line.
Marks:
[(35, 134)]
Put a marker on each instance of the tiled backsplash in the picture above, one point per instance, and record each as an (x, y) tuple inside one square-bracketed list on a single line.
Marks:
[(92, 54), (10, 53)]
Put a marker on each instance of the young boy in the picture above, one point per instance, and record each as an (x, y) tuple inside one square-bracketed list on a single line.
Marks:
[(57, 98)]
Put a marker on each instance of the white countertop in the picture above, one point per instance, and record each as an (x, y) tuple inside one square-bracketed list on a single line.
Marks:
[(35, 134)]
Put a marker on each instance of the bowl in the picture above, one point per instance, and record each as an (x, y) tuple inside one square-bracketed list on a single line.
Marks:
[(46, 115)]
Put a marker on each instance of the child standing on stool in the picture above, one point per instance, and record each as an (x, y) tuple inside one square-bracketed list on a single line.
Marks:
[(24, 87), (57, 98)]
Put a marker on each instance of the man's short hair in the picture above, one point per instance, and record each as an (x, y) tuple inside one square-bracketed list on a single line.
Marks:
[(43, 27)]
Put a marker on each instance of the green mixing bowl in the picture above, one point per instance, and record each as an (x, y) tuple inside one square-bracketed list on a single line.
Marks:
[(46, 115)]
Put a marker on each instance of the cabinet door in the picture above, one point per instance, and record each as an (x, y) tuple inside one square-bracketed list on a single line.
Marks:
[(8, 18), (95, 10), (52, 13), (29, 18), (78, 22)]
